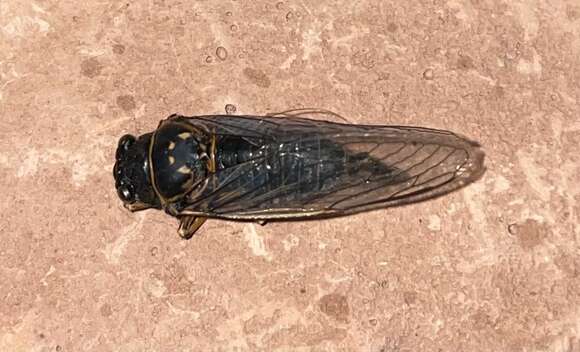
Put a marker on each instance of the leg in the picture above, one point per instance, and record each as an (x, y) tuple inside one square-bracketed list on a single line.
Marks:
[(189, 225)]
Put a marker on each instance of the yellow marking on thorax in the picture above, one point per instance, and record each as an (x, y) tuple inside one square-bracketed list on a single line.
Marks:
[(171, 160), (184, 135), (184, 170), (171, 145)]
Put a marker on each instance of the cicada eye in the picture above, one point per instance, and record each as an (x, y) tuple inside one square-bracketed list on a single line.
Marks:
[(126, 193), (125, 143)]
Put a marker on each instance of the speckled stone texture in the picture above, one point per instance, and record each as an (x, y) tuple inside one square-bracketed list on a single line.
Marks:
[(493, 267)]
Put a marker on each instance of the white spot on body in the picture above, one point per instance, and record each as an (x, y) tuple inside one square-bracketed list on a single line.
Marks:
[(184, 170)]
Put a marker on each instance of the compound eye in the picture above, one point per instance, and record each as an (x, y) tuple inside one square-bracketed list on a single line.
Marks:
[(126, 193), (125, 143)]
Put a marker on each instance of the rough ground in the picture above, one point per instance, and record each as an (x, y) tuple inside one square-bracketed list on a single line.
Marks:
[(494, 267)]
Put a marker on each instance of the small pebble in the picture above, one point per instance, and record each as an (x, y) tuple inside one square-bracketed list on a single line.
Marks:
[(154, 251), (513, 229), (221, 53), (230, 109)]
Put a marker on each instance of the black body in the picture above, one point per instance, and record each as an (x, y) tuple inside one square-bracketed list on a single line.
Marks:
[(288, 167)]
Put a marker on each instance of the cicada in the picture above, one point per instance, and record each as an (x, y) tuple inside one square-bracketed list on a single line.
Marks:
[(288, 166)]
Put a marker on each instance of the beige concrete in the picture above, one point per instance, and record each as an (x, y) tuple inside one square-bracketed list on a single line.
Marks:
[(494, 267)]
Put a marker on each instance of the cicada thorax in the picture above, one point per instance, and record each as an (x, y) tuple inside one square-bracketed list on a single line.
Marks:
[(180, 157)]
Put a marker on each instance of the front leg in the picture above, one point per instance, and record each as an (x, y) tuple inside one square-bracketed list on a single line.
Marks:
[(188, 225)]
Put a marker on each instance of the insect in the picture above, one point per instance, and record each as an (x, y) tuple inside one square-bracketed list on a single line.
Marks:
[(286, 166)]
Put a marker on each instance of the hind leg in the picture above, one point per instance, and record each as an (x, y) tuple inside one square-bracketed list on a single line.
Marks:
[(189, 225)]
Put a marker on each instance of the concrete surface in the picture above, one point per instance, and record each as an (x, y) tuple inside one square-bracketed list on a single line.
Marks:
[(494, 267)]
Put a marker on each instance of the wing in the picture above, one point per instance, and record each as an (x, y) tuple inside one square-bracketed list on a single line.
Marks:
[(293, 167)]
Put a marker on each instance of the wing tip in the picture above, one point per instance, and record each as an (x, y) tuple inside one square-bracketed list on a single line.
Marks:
[(475, 168)]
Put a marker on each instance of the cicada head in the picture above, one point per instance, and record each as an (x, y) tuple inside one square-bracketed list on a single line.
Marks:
[(131, 172)]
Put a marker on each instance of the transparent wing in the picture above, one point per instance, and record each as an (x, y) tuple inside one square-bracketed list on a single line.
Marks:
[(299, 168)]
